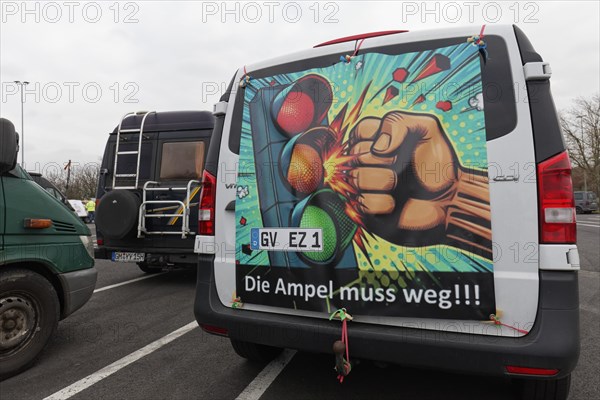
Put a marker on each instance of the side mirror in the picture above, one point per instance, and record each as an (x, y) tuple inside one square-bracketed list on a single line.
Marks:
[(9, 145)]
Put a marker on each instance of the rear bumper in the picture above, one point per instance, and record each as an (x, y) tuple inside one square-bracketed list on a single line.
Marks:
[(155, 256), (552, 343), (78, 288)]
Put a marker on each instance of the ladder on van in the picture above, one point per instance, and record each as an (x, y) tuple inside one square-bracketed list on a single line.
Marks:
[(137, 152), (182, 209)]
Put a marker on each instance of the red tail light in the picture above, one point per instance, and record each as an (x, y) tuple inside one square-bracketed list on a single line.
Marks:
[(531, 371), (557, 205), (206, 210), (100, 242), (215, 330)]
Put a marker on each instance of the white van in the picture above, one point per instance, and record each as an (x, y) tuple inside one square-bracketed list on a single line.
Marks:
[(418, 180)]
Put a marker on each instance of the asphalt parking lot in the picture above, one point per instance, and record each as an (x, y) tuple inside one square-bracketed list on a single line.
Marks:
[(131, 323)]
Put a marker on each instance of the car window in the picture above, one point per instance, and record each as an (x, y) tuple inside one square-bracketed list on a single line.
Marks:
[(52, 192), (498, 93), (182, 160), (591, 196), (578, 196)]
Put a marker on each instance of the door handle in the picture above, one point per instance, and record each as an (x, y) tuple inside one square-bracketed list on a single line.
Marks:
[(230, 206)]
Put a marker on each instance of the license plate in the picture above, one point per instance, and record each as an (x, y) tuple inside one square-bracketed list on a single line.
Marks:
[(121, 256), (286, 239)]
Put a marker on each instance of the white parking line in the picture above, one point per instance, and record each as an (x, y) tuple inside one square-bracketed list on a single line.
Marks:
[(141, 278), (263, 380), (595, 226), (97, 376)]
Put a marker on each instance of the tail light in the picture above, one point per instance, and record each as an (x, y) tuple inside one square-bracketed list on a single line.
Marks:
[(512, 369), (215, 330), (99, 241), (206, 210), (557, 205)]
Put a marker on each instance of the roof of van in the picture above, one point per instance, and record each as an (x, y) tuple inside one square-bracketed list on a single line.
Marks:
[(170, 121)]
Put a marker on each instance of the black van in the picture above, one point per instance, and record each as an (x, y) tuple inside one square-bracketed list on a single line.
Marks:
[(148, 188)]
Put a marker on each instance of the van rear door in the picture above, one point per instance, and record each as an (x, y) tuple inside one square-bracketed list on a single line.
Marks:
[(180, 160), (399, 184)]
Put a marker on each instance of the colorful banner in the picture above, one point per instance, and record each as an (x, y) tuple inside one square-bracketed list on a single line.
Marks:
[(364, 185)]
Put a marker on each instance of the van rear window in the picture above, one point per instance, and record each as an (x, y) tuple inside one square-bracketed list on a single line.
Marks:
[(369, 161), (182, 160), (497, 85)]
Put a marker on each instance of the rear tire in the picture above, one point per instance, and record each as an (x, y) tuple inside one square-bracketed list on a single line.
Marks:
[(29, 313), (578, 210), (149, 269), (254, 351), (538, 389)]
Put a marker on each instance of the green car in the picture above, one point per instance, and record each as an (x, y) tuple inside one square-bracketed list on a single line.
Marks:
[(46, 261)]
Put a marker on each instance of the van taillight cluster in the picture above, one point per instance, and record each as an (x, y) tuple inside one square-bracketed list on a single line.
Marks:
[(206, 211), (557, 205), (215, 330), (512, 369)]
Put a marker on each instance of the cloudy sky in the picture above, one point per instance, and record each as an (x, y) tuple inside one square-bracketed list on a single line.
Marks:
[(90, 62)]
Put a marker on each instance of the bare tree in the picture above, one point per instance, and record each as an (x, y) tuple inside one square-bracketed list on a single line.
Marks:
[(82, 182), (581, 127)]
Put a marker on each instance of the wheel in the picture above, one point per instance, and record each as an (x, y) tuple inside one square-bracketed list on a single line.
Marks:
[(149, 269), (547, 389), (578, 210), (255, 352), (29, 313)]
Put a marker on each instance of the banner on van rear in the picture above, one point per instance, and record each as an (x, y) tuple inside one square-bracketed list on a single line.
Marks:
[(364, 185)]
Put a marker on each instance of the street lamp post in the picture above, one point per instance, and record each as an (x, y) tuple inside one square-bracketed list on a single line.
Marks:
[(22, 145)]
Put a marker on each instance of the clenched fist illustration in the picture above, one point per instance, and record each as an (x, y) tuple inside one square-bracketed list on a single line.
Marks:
[(411, 184)]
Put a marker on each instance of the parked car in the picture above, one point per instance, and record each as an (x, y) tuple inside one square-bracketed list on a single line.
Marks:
[(380, 176), (46, 261), (148, 188), (585, 202), (49, 187)]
